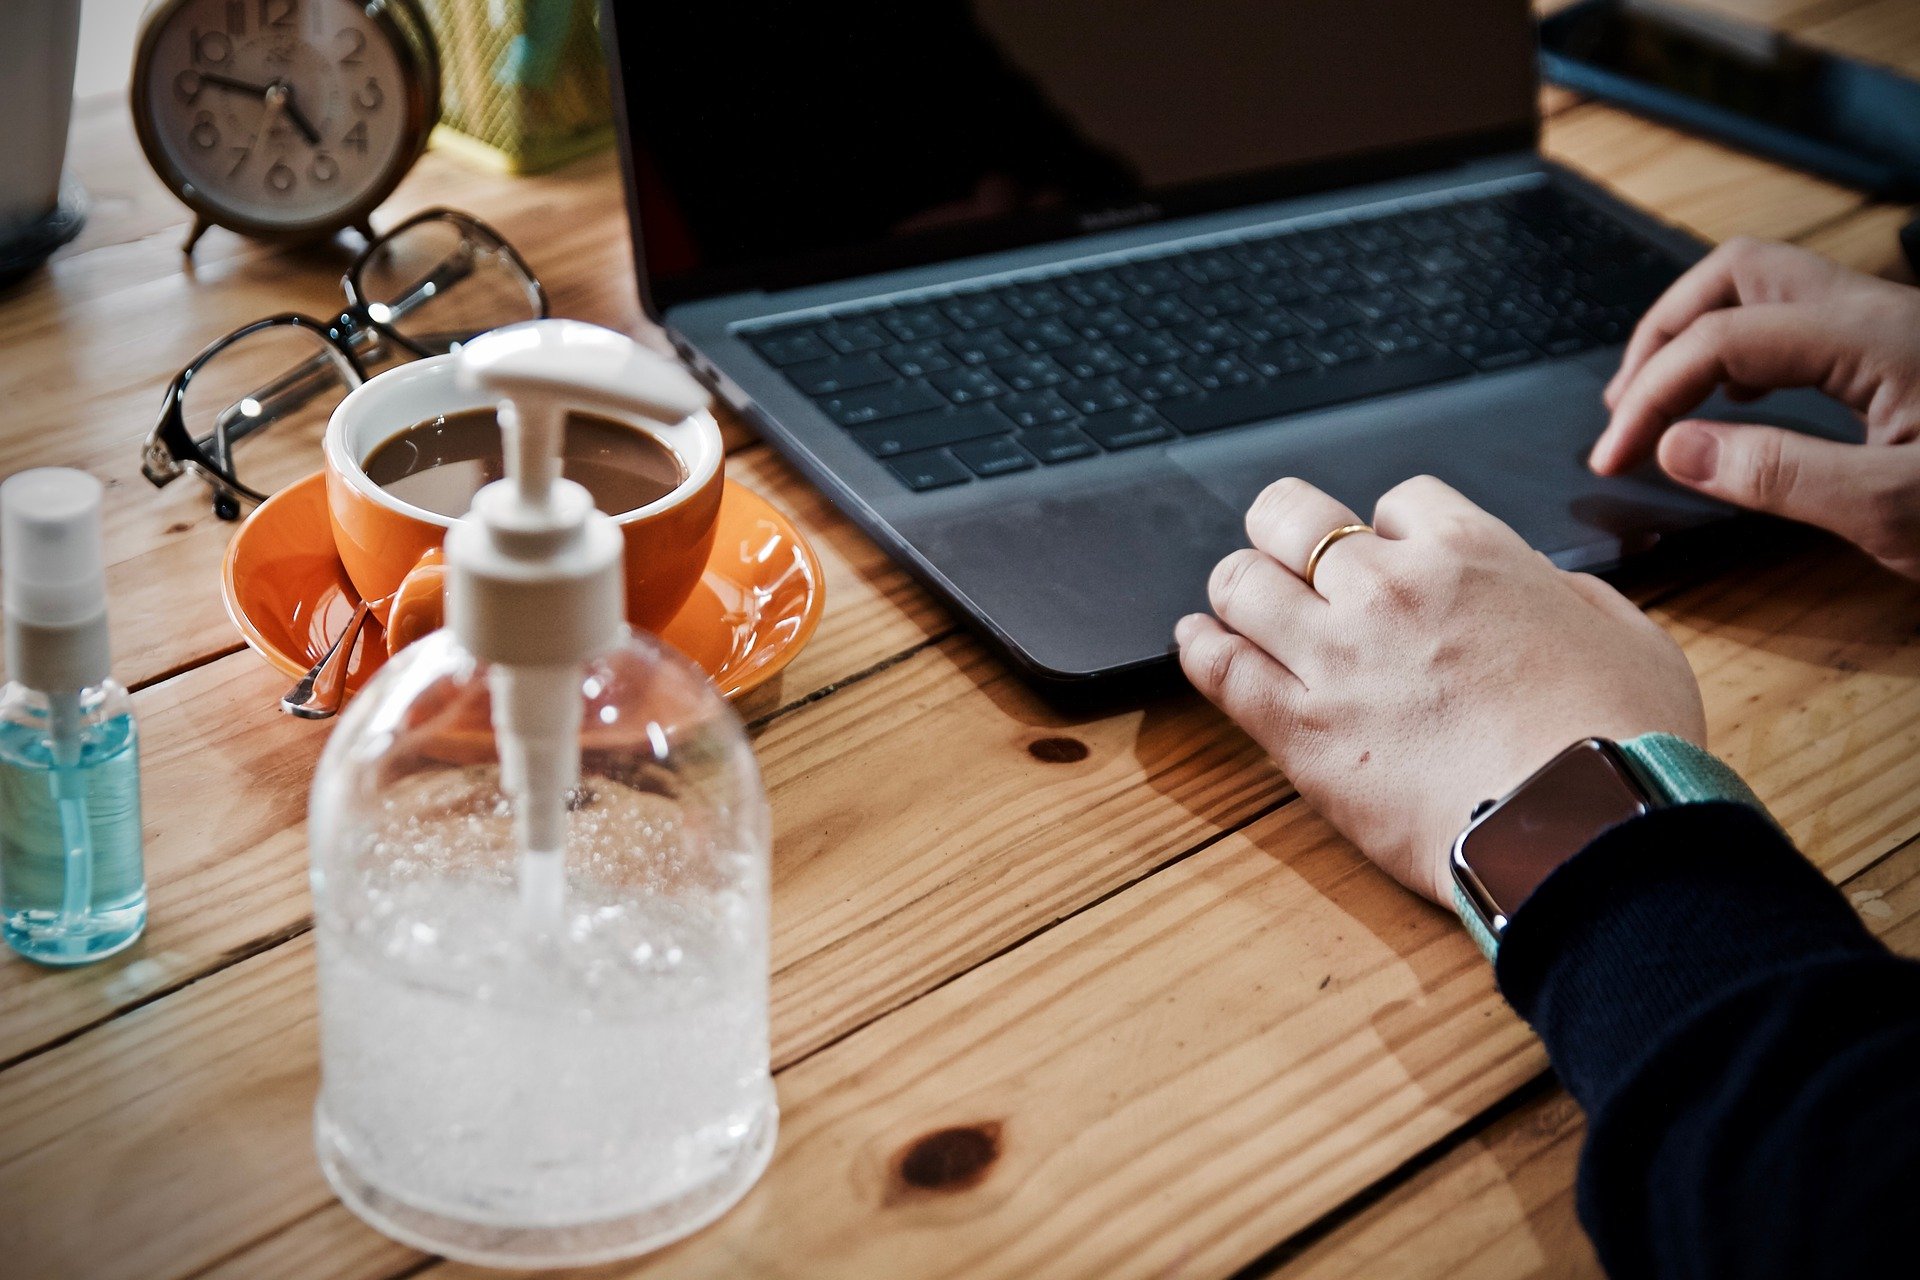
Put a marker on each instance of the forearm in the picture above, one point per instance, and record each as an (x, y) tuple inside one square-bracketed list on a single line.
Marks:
[(1742, 1046)]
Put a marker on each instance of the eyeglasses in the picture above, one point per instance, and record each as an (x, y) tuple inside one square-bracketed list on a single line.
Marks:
[(435, 281)]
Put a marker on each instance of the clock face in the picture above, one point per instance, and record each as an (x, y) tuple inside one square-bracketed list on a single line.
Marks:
[(283, 113)]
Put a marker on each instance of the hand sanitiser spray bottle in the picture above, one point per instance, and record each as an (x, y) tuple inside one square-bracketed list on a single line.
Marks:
[(72, 888), (540, 880)]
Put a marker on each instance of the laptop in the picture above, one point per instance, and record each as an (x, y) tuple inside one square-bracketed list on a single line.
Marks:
[(1042, 293)]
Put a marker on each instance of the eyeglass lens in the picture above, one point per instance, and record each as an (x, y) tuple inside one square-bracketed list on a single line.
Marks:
[(442, 281), (284, 376)]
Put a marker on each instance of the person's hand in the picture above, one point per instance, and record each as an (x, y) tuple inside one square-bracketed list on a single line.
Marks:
[(1433, 664), (1752, 317)]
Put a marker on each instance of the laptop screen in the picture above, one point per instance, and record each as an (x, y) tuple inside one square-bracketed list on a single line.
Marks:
[(784, 142)]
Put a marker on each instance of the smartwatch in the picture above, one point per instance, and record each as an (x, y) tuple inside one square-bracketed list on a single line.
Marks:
[(1514, 843)]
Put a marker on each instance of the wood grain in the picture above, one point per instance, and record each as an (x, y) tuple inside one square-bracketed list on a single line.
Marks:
[(1801, 635)]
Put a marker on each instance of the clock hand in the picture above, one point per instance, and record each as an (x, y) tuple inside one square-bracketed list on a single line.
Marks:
[(238, 86), (280, 95)]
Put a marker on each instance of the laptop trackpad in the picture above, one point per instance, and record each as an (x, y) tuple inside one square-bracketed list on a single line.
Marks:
[(1089, 580), (1516, 445)]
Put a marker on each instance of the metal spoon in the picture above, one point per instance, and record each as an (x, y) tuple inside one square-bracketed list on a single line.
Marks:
[(320, 692)]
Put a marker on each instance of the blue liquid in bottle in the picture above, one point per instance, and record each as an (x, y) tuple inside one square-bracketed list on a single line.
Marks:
[(72, 884)]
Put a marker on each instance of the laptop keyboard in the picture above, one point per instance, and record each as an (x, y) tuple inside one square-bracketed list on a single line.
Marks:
[(972, 384)]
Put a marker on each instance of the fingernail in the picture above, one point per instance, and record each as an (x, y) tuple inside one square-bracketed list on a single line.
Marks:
[(1691, 453), (1183, 629)]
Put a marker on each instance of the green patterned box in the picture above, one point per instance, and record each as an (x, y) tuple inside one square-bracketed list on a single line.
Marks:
[(523, 83)]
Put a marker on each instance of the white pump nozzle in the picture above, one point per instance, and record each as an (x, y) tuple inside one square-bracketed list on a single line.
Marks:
[(535, 585), (55, 579), (546, 367)]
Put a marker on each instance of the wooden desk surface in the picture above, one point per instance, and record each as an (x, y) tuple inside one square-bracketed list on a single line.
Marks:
[(1151, 1015)]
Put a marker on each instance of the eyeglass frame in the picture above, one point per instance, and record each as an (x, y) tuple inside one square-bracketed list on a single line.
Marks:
[(170, 449)]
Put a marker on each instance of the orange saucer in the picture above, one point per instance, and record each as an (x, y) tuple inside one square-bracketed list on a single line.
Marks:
[(755, 608)]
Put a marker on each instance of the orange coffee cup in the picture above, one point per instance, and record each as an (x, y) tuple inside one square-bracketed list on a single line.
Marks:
[(391, 548)]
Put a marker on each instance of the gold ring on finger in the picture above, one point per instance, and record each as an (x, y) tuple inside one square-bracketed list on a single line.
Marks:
[(1320, 547)]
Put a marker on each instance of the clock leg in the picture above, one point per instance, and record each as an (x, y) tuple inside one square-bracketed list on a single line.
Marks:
[(200, 226)]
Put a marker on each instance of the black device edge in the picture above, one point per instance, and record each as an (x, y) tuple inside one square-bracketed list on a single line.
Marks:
[(1048, 226)]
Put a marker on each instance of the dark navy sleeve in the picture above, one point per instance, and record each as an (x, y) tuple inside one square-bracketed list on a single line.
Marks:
[(1747, 1054)]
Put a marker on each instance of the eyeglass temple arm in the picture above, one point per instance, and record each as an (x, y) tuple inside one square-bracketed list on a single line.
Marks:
[(302, 383)]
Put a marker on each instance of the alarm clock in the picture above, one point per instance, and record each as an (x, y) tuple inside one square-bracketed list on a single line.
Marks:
[(284, 119)]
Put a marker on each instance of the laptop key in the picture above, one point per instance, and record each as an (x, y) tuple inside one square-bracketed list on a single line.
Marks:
[(1127, 428), (1035, 409), (1342, 346), (852, 408), (1035, 336), (1091, 360), (1380, 304), (1210, 337), (1211, 373), (790, 346), (998, 456), (1356, 381), (1280, 360), (1030, 373), (1325, 313), (967, 386), (931, 470), (1270, 328), (1031, 301), (839, 373), (1392, 337), (849, 336), (1096, 324), (1161, 311), (918, 359), (930, 430), (1148, 278), (1161, 382), (976, 311), (1058, 444), (1217, 301), (981, 348), (916, 324), (1094, 290), (1150, 348), (1099, 396)]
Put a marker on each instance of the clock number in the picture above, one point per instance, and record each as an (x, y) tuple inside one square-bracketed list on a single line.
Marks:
[(277, 13), (356, 137), (351, 58), (280, 177), (236, 17), (211, 47), (205, 134), (323, 169), (369, 97), (244, 153), (186, 87)]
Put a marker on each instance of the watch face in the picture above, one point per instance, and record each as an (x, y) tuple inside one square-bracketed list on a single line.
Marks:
[(1547, 819), (283, 113)]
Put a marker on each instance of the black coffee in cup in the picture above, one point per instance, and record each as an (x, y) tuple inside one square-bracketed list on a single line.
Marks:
[(438, 465)]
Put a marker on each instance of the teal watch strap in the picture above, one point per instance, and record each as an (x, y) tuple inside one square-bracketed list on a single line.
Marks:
[(1477, 928), (1673, 772), (1681, 773)]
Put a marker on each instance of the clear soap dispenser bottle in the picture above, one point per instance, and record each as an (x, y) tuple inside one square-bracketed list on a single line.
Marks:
[(540, 880)]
